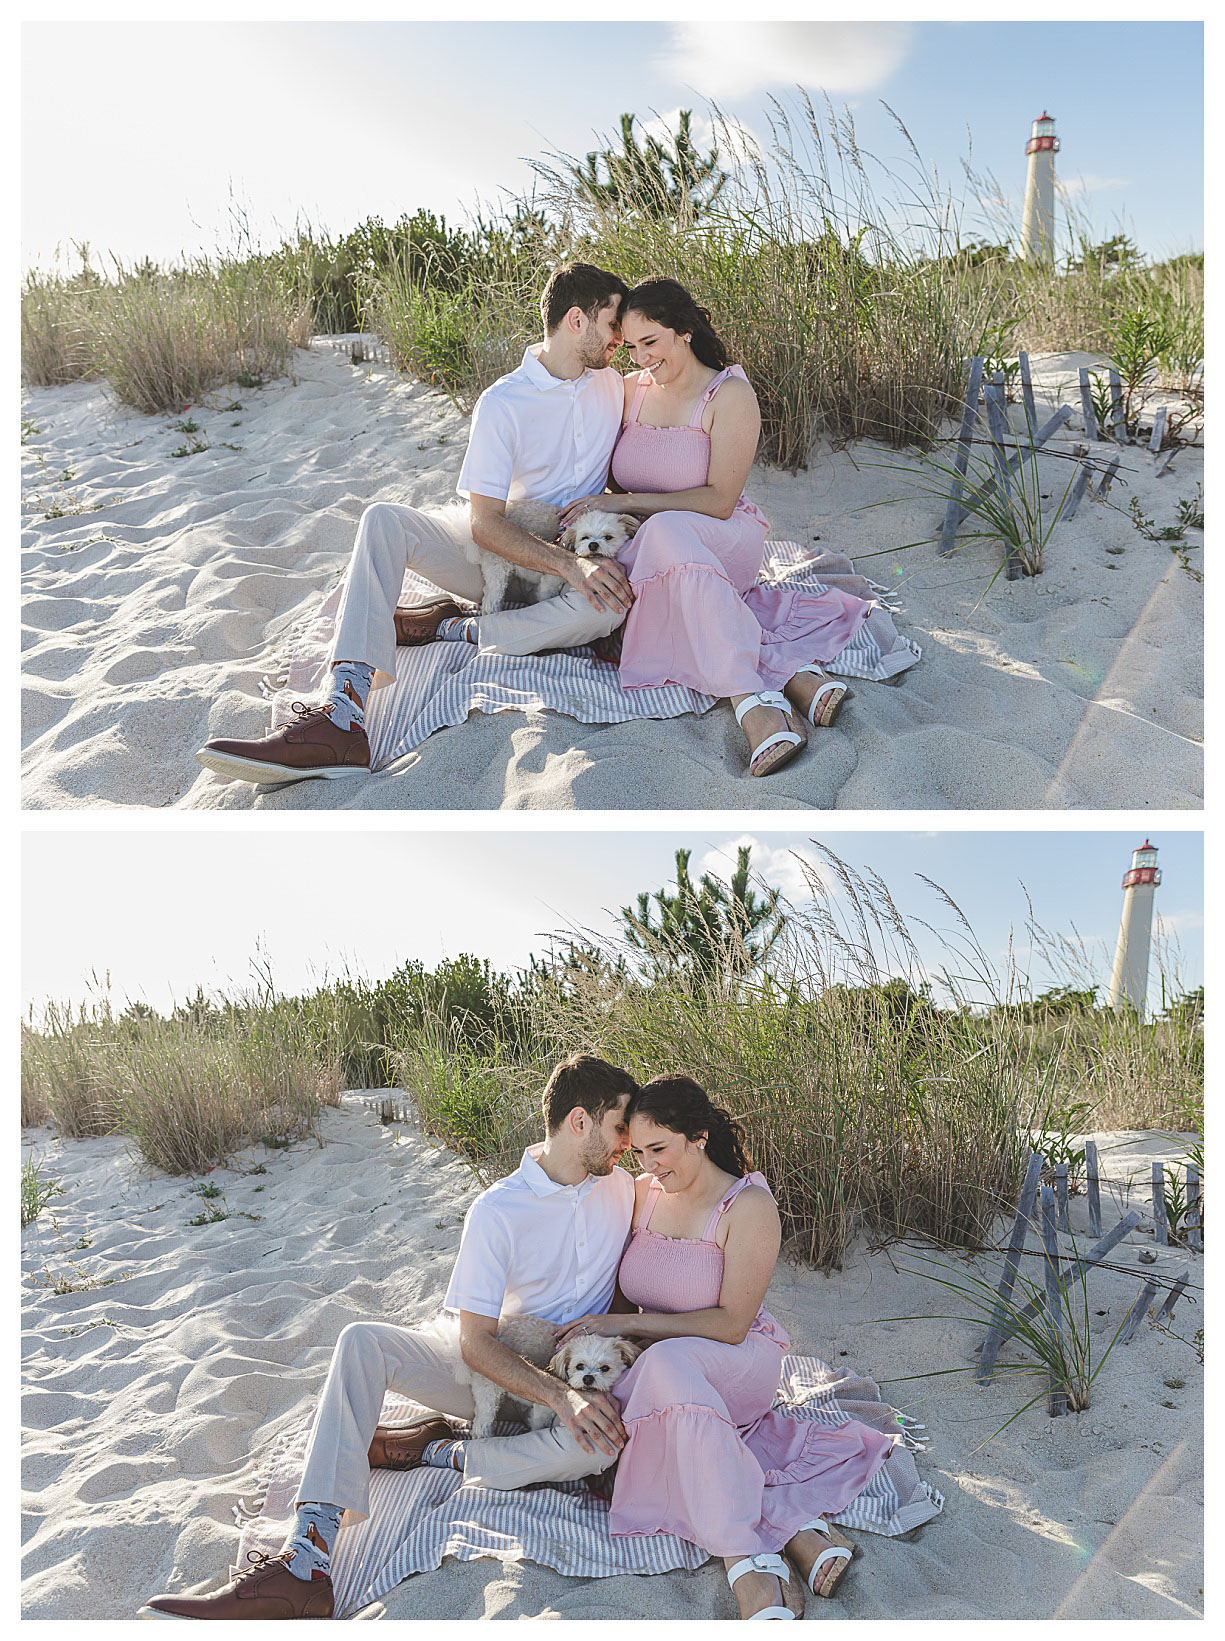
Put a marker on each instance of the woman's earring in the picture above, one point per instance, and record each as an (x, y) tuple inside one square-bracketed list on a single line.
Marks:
[(701, 1145)]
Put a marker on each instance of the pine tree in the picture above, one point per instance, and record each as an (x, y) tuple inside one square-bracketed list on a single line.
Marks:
[(708, 929), (652, 180)]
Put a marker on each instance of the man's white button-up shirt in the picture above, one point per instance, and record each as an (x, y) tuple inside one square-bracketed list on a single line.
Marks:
[(535, 1248), (534, 435)]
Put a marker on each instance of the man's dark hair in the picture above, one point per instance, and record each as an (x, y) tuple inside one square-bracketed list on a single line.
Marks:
[(587, 1081), (578, 285)]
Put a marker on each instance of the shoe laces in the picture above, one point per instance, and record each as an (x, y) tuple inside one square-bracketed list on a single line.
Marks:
[(305, 710), (260, 1562)]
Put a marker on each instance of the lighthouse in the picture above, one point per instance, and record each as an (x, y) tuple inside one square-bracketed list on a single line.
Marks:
[(1038, 220), (1129, 977)]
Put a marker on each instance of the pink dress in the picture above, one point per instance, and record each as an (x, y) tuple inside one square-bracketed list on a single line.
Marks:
[(698, 618), (706, 1459)]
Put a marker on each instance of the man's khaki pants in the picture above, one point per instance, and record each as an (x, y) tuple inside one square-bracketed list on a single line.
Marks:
[(391, 539), (373, 1357)]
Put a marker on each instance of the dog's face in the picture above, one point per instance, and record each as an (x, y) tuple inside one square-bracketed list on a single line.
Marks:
[(589, 1362), (597, 532)]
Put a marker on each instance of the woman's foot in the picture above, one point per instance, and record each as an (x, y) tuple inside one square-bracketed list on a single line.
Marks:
[(754, 1591), (803, 690), (806, 1548), (759, 724)]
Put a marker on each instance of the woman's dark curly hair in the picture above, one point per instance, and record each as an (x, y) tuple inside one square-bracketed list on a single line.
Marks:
[(683, 1106), (668, 303)]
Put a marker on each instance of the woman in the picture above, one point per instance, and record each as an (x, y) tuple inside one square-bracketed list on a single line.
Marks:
[(705, 1458), (689, 435)]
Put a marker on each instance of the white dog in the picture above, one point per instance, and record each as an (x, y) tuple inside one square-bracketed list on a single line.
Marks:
[(595, 531), (587, 1362)]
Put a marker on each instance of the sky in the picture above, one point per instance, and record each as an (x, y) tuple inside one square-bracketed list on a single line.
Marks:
[(155, 139), (166, 910)]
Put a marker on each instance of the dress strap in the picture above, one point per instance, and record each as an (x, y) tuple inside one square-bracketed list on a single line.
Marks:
[(721, 1207), (711, 388), (654, 1191), (644, 382)]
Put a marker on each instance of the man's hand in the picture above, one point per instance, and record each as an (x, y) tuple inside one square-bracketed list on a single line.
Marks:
[(593, 1418), (602, 582)]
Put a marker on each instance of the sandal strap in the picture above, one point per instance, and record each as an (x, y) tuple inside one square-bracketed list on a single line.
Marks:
[(772, 1612), (771, 1563), (784, 737), (765, 698)]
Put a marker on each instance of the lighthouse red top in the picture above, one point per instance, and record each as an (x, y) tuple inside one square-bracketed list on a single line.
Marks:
[(1043, 136), (1144, 867)]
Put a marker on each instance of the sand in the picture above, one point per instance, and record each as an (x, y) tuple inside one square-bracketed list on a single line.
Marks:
[(150, 622), (152, 1401)]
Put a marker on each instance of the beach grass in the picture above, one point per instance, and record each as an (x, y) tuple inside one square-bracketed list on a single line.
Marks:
[(846, 285), (189, 1091), (868, 1104)]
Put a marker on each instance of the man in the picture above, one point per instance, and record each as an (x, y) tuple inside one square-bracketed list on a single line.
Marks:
[(546, 1241), (546, 432)]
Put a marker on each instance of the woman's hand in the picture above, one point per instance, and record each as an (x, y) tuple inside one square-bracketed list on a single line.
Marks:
[(608, 1325), (584, 504)]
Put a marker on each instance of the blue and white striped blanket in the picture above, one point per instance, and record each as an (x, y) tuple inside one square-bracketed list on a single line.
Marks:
[(417, 1517), (440, 684)]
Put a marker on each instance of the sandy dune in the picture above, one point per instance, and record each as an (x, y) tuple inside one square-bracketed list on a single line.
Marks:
[(150, 622), (152, 1401)]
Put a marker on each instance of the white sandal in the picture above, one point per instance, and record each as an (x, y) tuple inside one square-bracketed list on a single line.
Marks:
[(762, 1564), (783, 737), (836, 1552), (824, 718)]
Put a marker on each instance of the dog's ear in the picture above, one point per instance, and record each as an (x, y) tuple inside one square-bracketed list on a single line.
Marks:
[(631, 522), (569, 537), (628, 1351), (559, 1366)]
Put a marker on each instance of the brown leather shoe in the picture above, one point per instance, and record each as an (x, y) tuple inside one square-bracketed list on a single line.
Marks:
[(401, 1447), (417, 623), (265, 1590), (311, 747)]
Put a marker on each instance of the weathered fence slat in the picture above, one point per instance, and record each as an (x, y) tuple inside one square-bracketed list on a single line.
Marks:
[(1086, 405), (1136, 1314), (1083, 1266), (969, 415), (1167, 461), (1077, 493), (1056, 1391), (1012, 1258), (1195, 1234), (1095, 1200), (1061, 1193), (1027, 392), (1158, 432), (998, 426), (1172, 1298), (1118, 422), (1015, 463), (1107, 479), (1161, 1226)]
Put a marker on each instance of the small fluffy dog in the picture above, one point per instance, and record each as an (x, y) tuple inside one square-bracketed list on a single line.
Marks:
[(595, 531), (587, 1362)]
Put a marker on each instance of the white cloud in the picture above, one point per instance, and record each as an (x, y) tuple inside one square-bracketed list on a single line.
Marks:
[(1085, 183), (735, 141), (733, 59), (791, 868)]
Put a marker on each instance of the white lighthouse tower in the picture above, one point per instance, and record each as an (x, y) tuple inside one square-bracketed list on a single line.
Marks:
[(1038, 220), (1129, 977)]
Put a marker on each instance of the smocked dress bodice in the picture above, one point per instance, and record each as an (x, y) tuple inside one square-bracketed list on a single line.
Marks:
[(673, 1274), (658, 459)]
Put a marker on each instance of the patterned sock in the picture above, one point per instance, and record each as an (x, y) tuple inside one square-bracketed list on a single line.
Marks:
[(447, 1455), (467, 627), (351, 681), (308, 1549)]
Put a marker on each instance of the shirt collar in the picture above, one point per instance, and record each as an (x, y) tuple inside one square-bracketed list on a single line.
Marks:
[(539, 377), (538, 1182)]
